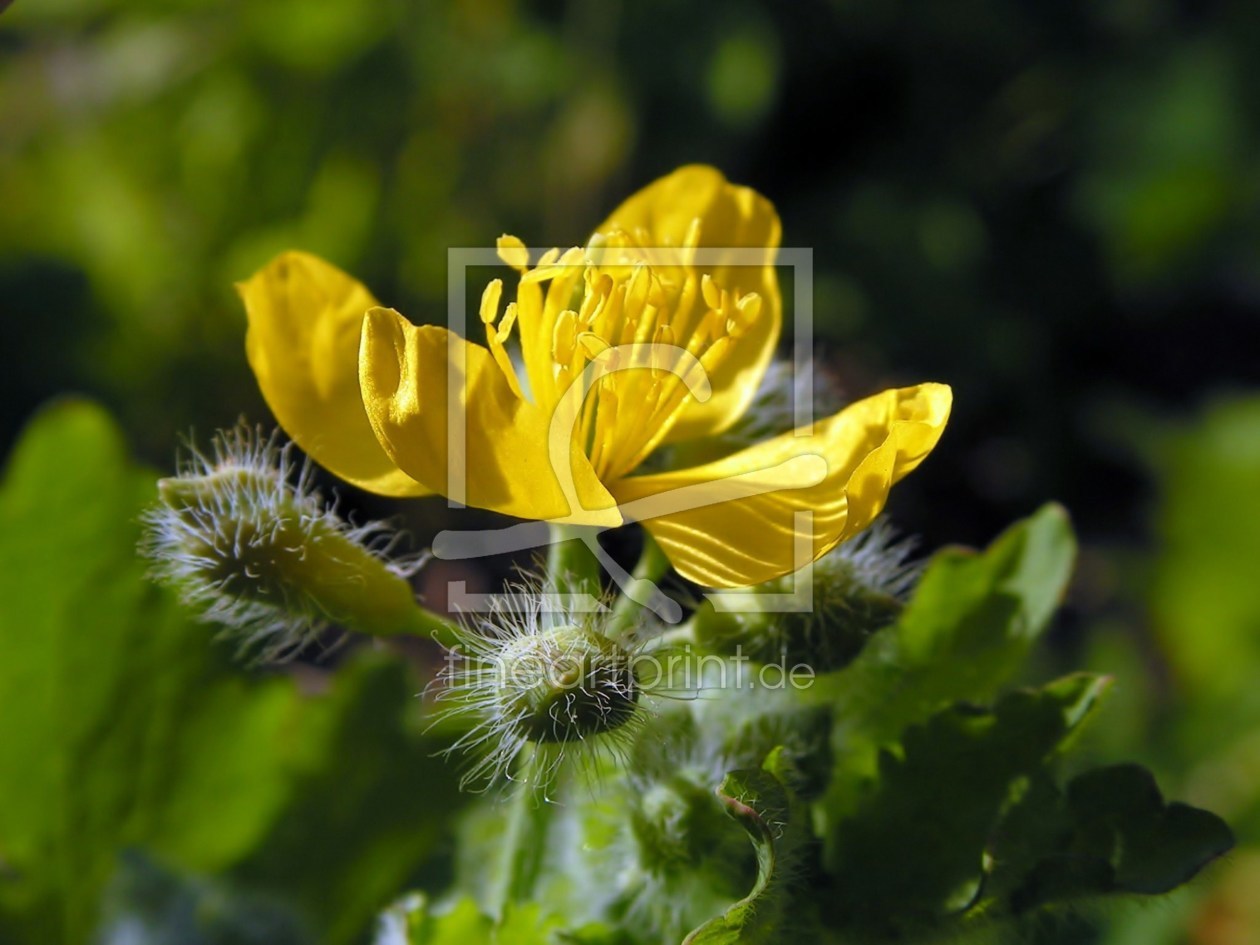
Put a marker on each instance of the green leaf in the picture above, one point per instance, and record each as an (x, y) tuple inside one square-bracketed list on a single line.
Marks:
[(131, 729), (970, 625), (414, 921), (761, 804), (124, 724), (965, 824), (963, 636), (370, 800), (1119, 836), (913, 855)]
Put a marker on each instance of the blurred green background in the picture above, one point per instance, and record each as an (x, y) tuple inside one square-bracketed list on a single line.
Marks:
[(1051, 206)]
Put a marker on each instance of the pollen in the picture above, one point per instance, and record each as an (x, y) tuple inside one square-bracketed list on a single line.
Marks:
[(621, 322)]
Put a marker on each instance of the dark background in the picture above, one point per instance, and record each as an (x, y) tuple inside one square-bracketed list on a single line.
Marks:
[(1049, 206)]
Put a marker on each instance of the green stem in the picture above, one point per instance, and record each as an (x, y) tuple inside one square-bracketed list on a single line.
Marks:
[(571, 565), (651, 567), (420, 622), (525, 845), (572, 569)]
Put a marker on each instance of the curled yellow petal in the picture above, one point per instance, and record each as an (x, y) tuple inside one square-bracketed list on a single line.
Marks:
[(737, 231), (305, 317), (745, 519), (445, 413)]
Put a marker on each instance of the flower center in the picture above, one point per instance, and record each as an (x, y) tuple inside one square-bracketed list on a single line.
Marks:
[(628, 330)]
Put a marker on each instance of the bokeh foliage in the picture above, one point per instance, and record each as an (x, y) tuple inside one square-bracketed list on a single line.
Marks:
[(1039, 203), (126, 729)]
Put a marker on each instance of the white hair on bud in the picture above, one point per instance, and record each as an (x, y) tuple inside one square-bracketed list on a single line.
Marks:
[(773, 409), (227, 523), (650, 865), (535, 677), (881, 559)]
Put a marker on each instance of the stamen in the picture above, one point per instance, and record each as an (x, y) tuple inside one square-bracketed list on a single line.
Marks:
[(746, 311), (712, 294), (513, 252), (564, 339), (626, 298), (547, 268), (490, 298), (495, 338), (592, 344), (661, 361), (605, 424), (505, 326), (691, 242), (692, 239), (504, 361)]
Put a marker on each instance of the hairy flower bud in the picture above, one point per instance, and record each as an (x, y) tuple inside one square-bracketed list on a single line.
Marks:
[(532, 674), (664, 846), (857, 590), (678, 826), (566, 685), (246, 541), (789, 395)]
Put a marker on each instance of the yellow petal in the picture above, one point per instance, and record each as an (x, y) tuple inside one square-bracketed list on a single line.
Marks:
[(508, 455), (729, 217), (305, 318), (735, 522)]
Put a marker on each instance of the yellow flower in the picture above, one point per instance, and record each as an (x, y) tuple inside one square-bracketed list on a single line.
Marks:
[(659, 330)]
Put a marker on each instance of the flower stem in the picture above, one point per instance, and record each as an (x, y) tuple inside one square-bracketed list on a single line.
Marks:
[(525, 845), (571, 565), (572, 568), (651, 567), (420, 622)]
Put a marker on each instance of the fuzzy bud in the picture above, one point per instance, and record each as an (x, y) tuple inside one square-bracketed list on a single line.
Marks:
[(530, 675), (246, 541), (678, 827), (857, 590), (566, 685)]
